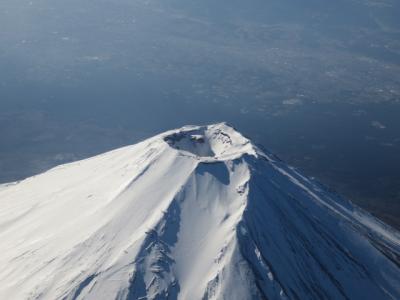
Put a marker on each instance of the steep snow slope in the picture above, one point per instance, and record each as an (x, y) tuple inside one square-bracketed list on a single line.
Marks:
[(194, 213)]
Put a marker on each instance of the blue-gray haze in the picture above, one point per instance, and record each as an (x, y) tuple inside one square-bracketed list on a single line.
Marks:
[(315, 81)]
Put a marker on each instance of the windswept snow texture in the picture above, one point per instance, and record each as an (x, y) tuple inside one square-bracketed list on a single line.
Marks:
[(194, 213)]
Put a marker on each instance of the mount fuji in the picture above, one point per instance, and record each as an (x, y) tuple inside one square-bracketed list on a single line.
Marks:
[(194, 213)]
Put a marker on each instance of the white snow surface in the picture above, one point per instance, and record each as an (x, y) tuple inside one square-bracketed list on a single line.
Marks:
[(194, 213)]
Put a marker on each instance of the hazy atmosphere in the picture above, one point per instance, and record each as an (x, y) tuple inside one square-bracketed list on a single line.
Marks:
[(315, 82)]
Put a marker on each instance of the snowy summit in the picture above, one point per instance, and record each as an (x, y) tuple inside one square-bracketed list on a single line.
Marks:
[(194, 213)]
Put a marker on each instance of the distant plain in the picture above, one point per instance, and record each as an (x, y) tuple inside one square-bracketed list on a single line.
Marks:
[(316, 82)]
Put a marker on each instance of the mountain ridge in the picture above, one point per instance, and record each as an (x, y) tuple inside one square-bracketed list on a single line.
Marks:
[(194, 213)]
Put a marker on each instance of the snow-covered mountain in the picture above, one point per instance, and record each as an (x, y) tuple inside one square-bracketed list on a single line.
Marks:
[(193, 213)]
